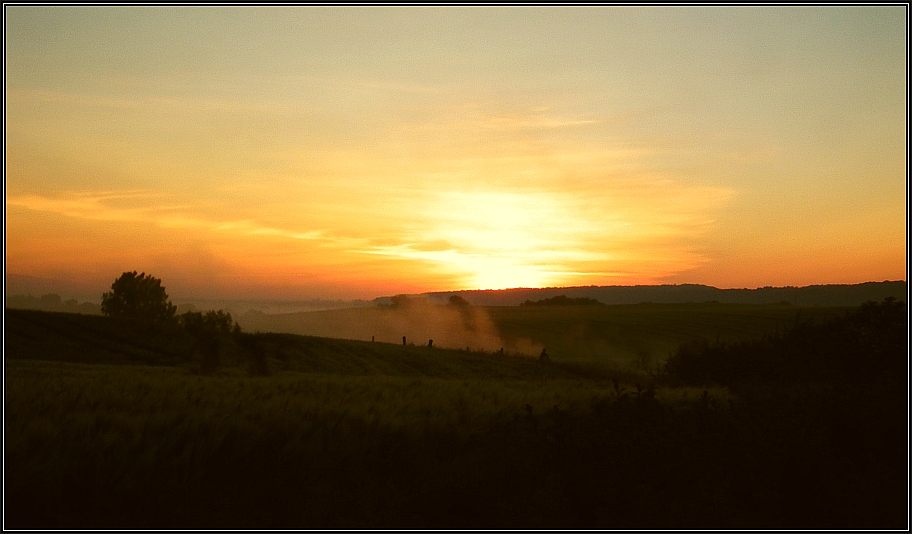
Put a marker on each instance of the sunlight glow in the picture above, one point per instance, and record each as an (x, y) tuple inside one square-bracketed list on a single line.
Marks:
[(497, 239)]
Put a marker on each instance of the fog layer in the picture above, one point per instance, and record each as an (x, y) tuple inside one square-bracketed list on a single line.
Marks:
[(456, 327)]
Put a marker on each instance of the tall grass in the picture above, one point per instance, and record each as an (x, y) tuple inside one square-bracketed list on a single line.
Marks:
[(347, 434), (104, 446)]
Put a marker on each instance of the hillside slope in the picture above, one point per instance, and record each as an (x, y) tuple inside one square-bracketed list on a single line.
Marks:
[(615, 335), (37, 335)]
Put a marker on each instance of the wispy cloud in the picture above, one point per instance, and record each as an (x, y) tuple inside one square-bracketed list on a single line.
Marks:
[(149, 207), (139, 101), (473, 115), (541, 121), (100, 205)]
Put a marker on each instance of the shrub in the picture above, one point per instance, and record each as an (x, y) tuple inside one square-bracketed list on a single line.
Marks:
[(212, 332), (866, 345)]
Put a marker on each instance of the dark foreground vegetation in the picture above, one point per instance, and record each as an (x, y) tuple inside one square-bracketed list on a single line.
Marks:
[(114, 423)]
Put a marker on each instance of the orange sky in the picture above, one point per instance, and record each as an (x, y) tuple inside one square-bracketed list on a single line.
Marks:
[(353, 152)]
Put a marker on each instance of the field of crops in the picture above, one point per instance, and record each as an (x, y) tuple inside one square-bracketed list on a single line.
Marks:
[(108, 427)]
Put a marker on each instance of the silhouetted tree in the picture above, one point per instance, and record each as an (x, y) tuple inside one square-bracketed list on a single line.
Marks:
[(139, 297), (209, 324), (212, 332)]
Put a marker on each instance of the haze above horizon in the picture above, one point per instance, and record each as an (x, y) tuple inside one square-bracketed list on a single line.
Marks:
[(353, 152)]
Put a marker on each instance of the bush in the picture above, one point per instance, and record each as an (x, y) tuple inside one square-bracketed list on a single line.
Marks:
[(212, 332), (865, 346), (209, 324)]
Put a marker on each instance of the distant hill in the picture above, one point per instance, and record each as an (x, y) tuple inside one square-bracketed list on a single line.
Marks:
[(27, 285), (52, 302), (816, 295)]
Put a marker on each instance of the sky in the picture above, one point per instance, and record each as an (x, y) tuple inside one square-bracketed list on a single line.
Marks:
[(354, 152)]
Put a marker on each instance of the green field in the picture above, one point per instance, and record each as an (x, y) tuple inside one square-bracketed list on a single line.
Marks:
[(109, 424), (627, 336)]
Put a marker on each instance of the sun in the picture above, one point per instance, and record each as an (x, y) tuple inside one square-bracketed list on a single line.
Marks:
[(496, 273), (485, 239), (498, 237)]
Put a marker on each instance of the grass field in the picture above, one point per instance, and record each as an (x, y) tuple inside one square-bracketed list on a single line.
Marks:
[(626, 336), (110, 425)]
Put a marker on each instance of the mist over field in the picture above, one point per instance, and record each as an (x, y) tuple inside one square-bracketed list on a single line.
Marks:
[(419, 321), (639, 331)]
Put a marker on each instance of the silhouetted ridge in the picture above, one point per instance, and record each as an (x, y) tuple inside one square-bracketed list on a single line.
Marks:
[(815, 295)]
